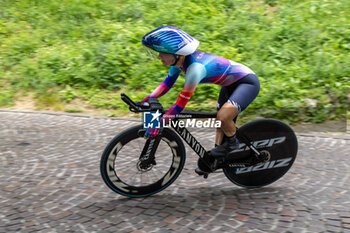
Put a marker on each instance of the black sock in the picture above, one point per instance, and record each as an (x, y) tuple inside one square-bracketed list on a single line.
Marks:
[(232, 139)]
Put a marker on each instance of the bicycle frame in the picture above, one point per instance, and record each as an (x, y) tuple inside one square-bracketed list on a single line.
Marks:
[(194, 144), (187, 136), (150, 147), (152, 143), (240, 167)]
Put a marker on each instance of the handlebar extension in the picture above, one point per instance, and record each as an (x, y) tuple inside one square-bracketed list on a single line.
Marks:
[(154, 104)]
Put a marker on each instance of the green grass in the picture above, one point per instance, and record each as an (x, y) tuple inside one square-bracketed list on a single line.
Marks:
[(73, 110), (91, 50)]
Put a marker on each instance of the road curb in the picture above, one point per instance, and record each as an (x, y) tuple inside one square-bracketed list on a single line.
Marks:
[(84, 115)]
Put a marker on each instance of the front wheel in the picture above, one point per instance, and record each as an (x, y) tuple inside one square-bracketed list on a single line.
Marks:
[(120, 165), (271, 137)]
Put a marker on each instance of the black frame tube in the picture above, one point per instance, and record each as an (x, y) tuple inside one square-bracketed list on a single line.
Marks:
[(189, 139)]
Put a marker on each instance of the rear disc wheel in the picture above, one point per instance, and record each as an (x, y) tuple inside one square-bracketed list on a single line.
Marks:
[(271, 137)]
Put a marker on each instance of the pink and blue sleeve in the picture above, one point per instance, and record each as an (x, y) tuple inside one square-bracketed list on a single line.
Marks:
[(195, 72), (165, 86)]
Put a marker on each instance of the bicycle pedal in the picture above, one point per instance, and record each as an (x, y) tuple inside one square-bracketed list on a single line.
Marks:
[(201, 173)]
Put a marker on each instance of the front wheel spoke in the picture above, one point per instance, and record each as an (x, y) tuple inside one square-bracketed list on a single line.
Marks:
[(155, 172), (149, 175), (141, 178), (136, 177), (147, 178), (140, 150), (129, 167)]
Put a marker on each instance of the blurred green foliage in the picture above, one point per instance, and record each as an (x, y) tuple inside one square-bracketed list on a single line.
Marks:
[(91, 49)]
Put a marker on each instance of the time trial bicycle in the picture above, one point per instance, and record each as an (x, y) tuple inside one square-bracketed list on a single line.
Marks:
[(135, 167)]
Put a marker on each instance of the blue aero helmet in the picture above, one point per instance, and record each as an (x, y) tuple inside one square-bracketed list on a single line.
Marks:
[(171, 40)]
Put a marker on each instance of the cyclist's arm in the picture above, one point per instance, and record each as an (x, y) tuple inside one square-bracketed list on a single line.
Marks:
[(195, 72), (165, 86)]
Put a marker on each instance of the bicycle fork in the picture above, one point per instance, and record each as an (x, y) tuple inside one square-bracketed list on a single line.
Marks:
[(147, 157)]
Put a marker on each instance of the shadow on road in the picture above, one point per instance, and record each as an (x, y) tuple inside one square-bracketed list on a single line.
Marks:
[(204, 204)]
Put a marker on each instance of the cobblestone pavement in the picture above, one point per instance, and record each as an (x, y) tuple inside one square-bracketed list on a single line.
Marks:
[(50, 182)]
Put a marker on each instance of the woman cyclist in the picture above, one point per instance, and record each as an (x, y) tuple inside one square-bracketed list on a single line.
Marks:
[(239, 84)]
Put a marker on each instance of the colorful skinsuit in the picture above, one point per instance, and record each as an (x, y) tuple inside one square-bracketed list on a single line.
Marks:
[(199, 67)]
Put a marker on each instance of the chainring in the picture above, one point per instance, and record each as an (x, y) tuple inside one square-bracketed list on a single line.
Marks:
[(204, 162)]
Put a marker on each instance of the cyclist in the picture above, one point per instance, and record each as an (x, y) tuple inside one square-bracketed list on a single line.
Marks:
[(239, 84)]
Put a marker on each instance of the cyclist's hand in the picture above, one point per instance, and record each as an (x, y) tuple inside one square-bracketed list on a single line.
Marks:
[(142, 104), (151, 133)]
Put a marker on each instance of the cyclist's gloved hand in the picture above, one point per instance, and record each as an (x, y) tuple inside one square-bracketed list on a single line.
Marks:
[(142, 104), (151, 133)]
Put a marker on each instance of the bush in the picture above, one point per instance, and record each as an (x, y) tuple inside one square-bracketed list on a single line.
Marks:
[(298, 49)]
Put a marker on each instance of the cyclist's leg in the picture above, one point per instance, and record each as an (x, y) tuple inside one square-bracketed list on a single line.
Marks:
[(226, 114), (242, 93), (245, 92), (223, 97), (228, 108)]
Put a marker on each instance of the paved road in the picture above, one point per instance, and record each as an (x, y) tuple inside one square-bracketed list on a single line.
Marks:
[(50, 182)]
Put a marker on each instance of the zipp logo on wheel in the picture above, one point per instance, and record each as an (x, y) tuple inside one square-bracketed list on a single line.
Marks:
[(261, 144), (269, 165)]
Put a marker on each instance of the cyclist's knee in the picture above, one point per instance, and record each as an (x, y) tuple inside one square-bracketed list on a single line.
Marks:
[(224, 118), (226, 115)]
